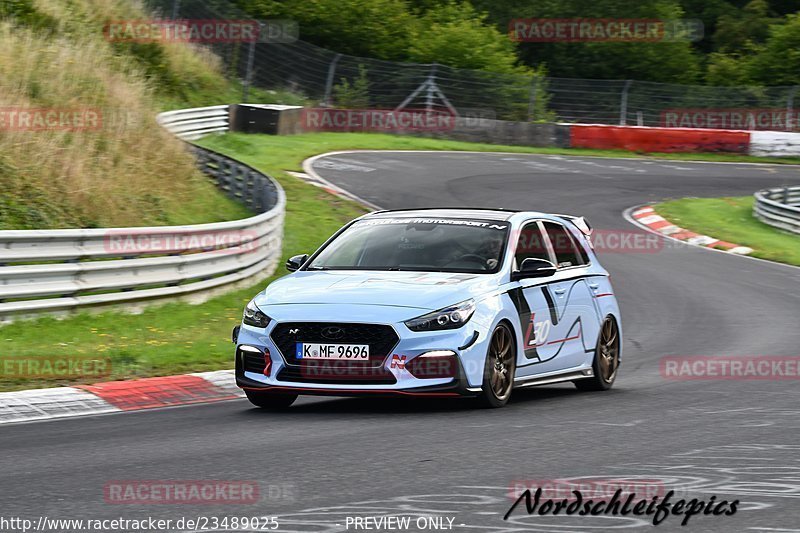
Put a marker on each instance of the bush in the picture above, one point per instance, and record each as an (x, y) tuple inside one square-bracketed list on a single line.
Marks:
[(353, 95)]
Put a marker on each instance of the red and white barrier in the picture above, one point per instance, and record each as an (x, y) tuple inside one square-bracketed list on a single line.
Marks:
[(673, 140), (644, 139)]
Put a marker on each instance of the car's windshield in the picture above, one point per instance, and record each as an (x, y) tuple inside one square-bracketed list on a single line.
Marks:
[(418, 244)]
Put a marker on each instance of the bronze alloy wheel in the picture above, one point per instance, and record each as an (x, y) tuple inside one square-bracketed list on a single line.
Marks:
[(500, 367), (608, 351), (606, 359)]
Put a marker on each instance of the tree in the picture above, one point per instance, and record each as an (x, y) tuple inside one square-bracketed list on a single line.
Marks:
[(653, 61), (735, 31), (728, 69), (778, 61), (371, 28), (456, 35)]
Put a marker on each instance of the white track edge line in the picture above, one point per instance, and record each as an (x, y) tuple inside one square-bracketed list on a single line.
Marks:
[(650, 159)]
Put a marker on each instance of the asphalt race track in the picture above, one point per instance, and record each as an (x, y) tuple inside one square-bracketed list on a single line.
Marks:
[(327, 459)]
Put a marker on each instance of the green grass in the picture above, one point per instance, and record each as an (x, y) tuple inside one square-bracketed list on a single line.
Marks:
[(732, 220), (208, 205)]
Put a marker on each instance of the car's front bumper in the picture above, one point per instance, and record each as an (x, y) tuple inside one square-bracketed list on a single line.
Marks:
[(467, 343)]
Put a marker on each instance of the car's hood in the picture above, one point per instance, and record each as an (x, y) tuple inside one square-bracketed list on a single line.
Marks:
[(422, 290)]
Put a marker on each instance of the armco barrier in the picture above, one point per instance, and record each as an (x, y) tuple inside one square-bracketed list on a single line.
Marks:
[(190, 124), (643, 139), (779, 207), (70, 269)]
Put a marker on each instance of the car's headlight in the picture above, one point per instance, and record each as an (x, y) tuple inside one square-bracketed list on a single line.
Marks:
[(452, 317), (253, 316)]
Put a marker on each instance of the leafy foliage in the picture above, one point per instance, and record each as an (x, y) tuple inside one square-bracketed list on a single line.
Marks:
[(778, 61), (353, 95), (455, 34), (775, 62), (743, 39)]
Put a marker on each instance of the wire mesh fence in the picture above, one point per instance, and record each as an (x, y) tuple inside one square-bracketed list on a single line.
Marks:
[(327, 78)]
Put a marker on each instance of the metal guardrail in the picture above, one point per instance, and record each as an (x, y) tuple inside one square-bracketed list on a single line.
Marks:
[(779, 207), (64, 270), (190, 124)]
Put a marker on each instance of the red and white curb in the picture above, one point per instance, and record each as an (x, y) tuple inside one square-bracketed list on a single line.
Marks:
[(118, 396), (647, 216)]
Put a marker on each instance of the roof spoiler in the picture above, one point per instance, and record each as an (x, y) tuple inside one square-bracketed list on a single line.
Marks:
[(582, 224)]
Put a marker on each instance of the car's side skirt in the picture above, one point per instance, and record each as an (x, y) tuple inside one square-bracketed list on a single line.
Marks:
[(531, 381)]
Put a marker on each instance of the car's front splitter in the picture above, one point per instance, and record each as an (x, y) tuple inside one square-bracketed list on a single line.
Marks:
[(458, 387)]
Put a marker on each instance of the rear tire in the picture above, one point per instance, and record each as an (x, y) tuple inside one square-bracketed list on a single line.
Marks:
[(606, 359), (498, 372), (270, 401)]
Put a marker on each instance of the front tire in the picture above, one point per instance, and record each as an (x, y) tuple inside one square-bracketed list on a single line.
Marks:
[(606, 359), (270, 401), (498, 372)]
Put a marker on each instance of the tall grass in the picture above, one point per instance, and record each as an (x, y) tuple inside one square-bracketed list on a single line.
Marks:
[(127, 172)]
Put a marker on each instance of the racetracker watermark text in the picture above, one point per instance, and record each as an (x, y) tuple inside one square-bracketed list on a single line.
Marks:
[(618, 241), (55, 367), (745, 368), (388, 120), (572, 30), (202, 31), (50, 119), (769, 119), (396, 121), (124, 242), (194, 492)]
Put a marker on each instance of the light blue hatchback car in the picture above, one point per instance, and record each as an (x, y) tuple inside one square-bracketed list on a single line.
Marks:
[(434, 302)]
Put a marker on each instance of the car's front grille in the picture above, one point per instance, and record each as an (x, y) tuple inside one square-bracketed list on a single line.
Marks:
[(380, 338)]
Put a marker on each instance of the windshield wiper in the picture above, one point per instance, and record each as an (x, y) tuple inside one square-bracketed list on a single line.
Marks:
[(413, 269)]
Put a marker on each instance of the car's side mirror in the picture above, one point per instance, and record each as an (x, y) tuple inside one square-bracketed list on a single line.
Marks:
[(296, 262), (534, 268)]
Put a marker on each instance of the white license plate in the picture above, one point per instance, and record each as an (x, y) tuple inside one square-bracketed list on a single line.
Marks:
[(357, 352)]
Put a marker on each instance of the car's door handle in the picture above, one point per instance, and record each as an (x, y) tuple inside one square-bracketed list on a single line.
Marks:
[(559, 291), (594, 286)]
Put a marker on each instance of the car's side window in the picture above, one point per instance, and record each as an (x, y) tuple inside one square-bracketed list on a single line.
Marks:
[(567, 254), (582, 250), (531, 243)]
